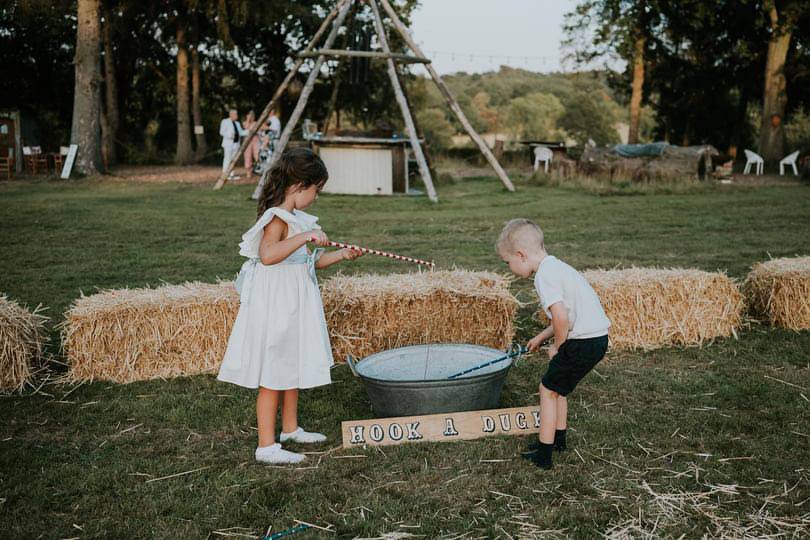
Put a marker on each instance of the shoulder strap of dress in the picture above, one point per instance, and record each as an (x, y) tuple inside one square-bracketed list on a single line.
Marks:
[(280, 213), (250, 240)]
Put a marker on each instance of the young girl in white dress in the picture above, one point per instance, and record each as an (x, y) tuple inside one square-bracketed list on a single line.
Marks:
[(279, 342)]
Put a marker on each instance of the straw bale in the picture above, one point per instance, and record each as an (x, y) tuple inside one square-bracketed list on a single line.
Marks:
[(370, 313), (174, 330), (779, 291), (22, 338), (651, 308), (128, 335)]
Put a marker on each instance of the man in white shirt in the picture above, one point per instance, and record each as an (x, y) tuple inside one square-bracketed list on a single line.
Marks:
[(578, 324), (230, 129)]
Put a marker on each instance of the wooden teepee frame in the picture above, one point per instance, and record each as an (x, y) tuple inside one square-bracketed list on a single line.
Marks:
[(337, 16)]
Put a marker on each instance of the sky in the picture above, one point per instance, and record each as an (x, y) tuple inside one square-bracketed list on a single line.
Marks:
[(480, 35)]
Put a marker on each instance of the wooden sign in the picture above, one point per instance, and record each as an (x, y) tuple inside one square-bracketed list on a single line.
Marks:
[(445, 427), (71, 157)]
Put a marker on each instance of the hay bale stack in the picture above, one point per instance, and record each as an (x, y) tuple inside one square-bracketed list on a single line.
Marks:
[(779, 291), (136, 334), (22, 338), (651, 308), (370, 313)]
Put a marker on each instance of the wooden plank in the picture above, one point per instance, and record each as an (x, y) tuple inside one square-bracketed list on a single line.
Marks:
[(451, 101), (403, 105), (445, 427), (340, 139), (358, 171), (276, 97), (353, 145), (292, 122), (398, 170), (399, 57), (71, 157)]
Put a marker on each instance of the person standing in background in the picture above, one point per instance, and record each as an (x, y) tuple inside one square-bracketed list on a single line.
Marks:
[(230, 130), (274, 125), (252, 150)]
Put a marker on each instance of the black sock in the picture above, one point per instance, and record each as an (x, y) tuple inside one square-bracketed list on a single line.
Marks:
[(542, 457), (559, 440)]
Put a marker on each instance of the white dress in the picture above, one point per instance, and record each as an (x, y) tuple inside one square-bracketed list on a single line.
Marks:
[(279, 339)]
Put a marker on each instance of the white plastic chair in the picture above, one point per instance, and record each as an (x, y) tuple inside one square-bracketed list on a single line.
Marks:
[(789, 159), (752, 158), (544, 154)]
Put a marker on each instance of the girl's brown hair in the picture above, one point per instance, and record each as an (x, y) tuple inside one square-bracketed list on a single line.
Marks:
[(296, 167)]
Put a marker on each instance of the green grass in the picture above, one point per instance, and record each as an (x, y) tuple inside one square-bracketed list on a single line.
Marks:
[(689, 423)]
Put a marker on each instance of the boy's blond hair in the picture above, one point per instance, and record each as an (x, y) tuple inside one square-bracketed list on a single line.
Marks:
[(520, 233)]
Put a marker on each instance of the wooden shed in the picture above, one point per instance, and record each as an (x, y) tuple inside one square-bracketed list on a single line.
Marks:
[(364, 165)]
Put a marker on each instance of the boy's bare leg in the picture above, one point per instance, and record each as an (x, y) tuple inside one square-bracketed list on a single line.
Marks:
[(266, 409), (548, 414), (562, 413), (289, 411)]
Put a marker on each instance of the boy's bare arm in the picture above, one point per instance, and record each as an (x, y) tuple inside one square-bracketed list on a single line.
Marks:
[(560, 324), (540, 338)]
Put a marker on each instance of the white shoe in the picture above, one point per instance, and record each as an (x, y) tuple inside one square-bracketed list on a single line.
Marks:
[(301, 436), (275, 455)]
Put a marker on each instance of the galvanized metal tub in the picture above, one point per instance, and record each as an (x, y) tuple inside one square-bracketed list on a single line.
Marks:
[(414, 380)]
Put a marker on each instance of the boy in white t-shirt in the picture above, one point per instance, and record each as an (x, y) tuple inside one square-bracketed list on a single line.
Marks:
[(578, 324)]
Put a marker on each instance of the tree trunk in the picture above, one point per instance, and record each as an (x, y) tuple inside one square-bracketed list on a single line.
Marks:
[(196, 110), (184, 154), (110, 118), (85, 127), (774, 101), (638, 88)]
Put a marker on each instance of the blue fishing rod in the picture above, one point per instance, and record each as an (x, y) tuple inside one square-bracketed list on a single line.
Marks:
[(520, 349)]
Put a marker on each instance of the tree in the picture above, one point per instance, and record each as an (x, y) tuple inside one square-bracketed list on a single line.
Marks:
[(586, 117), (615, 28), (184, 153), (196, 108), (706, 71), (85, 130), (535, 116), (774, 98), (109, 117), (37, 47)]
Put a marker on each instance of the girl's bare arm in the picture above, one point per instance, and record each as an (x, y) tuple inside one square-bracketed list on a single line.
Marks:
[(274, 248), (334, 257)]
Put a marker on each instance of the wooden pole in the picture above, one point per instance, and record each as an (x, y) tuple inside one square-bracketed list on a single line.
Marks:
[(277, 96), (420, 133), (403, 105), (286, 133), (451, 101)]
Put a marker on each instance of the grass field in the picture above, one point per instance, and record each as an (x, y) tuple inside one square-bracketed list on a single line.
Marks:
[(712, 441)]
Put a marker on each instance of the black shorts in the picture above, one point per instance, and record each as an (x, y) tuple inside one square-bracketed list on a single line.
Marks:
[(572, 362)]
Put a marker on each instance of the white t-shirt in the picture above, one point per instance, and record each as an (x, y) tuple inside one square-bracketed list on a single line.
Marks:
[(274, 125), (556, 281)]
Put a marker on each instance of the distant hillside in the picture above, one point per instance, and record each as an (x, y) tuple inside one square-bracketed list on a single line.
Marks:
[(518, 104)]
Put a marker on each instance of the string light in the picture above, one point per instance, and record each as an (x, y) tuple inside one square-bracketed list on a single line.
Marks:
[(493, 59)]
